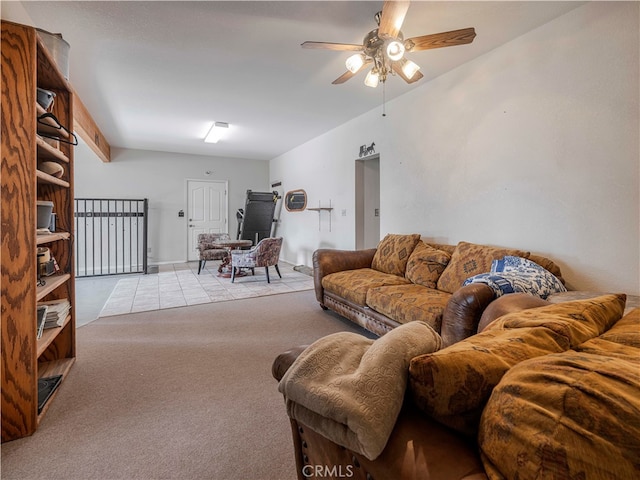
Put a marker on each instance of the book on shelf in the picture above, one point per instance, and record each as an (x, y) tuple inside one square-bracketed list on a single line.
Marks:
[(57, 312), (46, 387), (42, 313)]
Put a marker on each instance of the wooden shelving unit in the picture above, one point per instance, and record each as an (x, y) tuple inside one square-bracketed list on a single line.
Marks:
[(26, 65)]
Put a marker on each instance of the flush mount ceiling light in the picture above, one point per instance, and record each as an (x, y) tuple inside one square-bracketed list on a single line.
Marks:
[(385, 47), (216, 132)]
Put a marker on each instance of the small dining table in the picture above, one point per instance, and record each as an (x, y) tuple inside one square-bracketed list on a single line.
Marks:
[(224, 270)]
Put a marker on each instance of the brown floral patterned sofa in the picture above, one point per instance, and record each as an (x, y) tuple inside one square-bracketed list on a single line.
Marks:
[(407, 278), (543, 391)]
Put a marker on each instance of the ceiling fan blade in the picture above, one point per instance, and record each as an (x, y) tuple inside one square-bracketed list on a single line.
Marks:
[(393, 13), (398, 69), (332, 46), (343, 78), (439, 40), (348, 74)]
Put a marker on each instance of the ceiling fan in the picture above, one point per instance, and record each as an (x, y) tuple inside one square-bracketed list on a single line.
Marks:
[(385, 47)]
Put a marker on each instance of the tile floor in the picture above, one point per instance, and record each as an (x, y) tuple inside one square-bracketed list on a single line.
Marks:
[(178, 285)]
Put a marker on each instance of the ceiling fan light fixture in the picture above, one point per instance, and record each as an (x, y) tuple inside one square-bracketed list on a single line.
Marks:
[(409, 68), (216, 132), (395, 50), (386, 47), (355, 62), (372, 79)]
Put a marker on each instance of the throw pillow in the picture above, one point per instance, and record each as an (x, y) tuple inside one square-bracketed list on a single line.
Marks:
[(469, 259), (426, 264), (454, 384), (518, 275), (548, 265), (393, 253)]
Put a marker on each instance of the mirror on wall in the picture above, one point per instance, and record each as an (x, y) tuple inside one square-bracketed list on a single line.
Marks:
[(295, 200)]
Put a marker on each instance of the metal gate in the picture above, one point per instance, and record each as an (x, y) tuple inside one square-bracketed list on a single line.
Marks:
[(111, 236)]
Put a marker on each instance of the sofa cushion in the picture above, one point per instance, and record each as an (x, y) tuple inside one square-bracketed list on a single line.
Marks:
[(442, 246), (393, 253), (579, 320), (426, 264), (582, 424), (469, 259), (406, 303), (625, 333), (454, 384), (353, 285)]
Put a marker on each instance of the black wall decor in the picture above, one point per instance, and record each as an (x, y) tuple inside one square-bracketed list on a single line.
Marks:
[(367, 150)]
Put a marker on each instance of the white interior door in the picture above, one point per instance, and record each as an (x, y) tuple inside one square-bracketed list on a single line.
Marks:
[(206, 211)]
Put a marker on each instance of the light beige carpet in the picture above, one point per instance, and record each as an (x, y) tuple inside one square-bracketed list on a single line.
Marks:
[(179, 285), (183, 393)]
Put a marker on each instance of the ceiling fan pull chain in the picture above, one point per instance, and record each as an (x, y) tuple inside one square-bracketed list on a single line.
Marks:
[(384, 99)]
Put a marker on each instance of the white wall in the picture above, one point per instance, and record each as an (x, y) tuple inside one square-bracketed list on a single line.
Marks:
[(325, 169), (534, 145), (14, 12), (161, 177)]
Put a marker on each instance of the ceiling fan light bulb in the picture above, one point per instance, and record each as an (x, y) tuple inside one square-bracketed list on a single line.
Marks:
[(372, 79), (409, 69), (355, 62), (395, 50)]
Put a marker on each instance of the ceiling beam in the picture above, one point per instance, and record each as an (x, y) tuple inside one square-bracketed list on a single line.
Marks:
[(86, 127)]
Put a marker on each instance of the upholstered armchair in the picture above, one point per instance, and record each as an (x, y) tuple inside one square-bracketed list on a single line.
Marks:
[(208, 250), (264, 254)]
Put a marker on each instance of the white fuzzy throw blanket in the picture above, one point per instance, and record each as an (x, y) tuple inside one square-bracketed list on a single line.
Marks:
[(350, 388)]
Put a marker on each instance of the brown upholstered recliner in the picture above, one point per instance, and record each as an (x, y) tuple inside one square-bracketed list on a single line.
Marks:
[(419, 447), (549, 392)]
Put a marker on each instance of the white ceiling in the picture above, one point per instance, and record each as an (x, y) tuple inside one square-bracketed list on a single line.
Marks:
[(156, 74)]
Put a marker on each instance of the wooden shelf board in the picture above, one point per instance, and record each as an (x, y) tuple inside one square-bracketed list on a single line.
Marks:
[(47, 152), (49, 335), (49, 369), (46, 178), (51, 283), (55, 367), (52, 237)]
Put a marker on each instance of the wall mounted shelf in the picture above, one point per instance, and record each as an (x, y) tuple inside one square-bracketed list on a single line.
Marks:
[(321, 209)]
